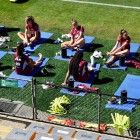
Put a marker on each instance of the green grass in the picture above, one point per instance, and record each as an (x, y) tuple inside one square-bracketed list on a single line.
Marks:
[(103, 22)]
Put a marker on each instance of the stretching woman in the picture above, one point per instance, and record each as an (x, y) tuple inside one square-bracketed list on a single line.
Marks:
[(34, 35), (23, 64), (77, 37), (78, 68), (124, 48)]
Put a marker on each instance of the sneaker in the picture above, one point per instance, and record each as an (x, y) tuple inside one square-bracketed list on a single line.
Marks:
[(2, 39), (2, 45), (7, 39), (58, 41), (45, 86), (66, 36)]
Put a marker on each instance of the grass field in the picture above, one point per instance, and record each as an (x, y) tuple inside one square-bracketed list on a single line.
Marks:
[(102, 22)]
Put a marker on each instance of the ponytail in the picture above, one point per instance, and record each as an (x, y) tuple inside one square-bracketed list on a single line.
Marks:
[(121, 33), (73, 20)]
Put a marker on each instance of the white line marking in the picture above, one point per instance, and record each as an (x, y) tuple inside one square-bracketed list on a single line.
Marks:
[(113, 5)]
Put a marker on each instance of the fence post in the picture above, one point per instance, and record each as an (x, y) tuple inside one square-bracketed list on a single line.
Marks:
[(99, 111), (35, 111), (32, 92)]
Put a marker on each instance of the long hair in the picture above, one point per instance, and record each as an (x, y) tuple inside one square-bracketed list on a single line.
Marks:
[(121, 34), (74, 63), (73, 20), (20, 49), (30, 18)]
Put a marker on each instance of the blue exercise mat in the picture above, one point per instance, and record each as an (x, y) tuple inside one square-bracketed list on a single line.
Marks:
[(132, 85), (22, 83), (2, 53), (1, 27), (133, 49), (30, 49), (63, 90), (70, 52)]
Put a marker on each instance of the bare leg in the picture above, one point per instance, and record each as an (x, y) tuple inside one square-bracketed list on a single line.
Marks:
[(67, 43), (125, 52), (80, 43), (22, 36)]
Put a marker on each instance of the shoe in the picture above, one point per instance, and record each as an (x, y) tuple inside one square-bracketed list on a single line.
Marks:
[(47, 85), (2, 45), (58, 41), (44, 72), (2, 39), (49, 67), (7, 39), (66, 36), (97, 54)]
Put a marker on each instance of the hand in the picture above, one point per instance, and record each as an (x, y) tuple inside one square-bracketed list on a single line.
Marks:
[(108, 53), (112, 54), (63, 84)]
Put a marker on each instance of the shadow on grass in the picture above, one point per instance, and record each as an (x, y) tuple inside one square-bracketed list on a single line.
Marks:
[(49, 41), (92, 47), (4, 31), (39, 74), (102, 81), (21, 1), (5, 67)]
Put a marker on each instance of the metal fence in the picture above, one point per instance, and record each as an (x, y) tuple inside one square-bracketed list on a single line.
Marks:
[(33, 102), (16, 101), (90, 108)]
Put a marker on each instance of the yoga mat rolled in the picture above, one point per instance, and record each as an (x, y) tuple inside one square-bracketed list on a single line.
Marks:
[(64, 52), (123, 94), (71, 83), (139, 57), (122, 60)]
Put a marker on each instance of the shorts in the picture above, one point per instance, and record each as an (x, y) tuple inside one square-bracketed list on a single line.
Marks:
[(38, 39)]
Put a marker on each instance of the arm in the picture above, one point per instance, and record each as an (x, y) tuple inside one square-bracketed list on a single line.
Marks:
[(72, 40), (120, 48), (80, 36), (115, 47), (67, 76)]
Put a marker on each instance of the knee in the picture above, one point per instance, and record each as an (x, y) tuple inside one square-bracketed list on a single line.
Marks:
[(19, 33)]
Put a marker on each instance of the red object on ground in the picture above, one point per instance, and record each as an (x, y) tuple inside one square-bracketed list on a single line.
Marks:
[(103, 127), (50, 118), (83, 124), (85, 88), (133, 63)]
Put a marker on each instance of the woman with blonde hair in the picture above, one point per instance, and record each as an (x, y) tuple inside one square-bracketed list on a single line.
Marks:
[(34, 30), (77, 36), (124, 48)]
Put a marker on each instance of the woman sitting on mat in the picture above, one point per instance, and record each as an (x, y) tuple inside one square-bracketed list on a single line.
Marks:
[(34, 35), (79, 69), (23, 64), (77, 37), (124, 48)]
